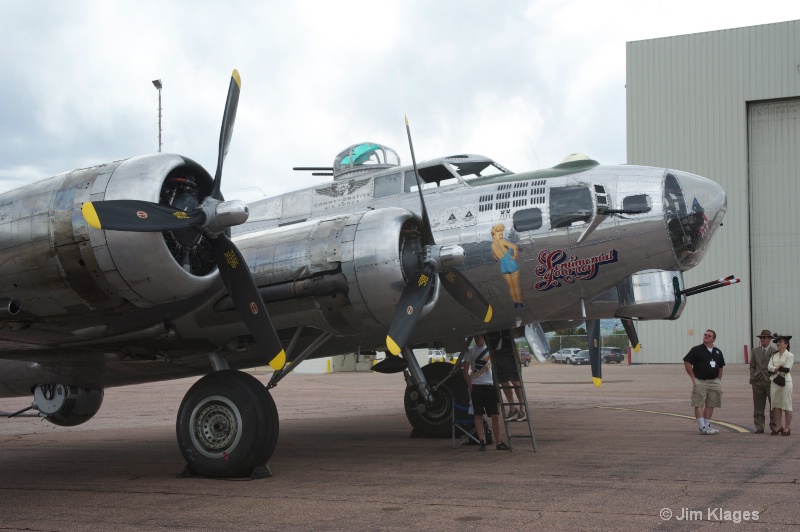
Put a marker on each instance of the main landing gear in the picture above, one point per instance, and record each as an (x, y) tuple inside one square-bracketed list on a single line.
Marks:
[(227, 426), (434, 418)]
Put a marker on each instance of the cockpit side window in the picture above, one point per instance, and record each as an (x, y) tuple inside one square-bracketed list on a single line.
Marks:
[(388, 185), (570, 205)]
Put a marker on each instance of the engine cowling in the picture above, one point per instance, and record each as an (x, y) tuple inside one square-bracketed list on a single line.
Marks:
[(153, 268), (61, 265), (67, 406), (339, 267)]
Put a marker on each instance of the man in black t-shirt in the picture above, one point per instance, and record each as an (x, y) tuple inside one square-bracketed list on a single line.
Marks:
[(704, 365)]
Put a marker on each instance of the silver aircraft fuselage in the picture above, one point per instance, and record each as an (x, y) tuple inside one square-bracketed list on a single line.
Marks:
[(105, 308)]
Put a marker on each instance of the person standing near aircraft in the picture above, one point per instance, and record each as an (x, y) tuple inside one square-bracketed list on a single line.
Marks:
[(760, 381), (704, 365), (482, 390), (781, 395)]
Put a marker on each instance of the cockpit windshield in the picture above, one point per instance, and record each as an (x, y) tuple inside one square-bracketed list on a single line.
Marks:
[(475, 169)]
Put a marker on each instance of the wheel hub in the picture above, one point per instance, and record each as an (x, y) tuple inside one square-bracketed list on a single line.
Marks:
[(439, 408), (216, 426)]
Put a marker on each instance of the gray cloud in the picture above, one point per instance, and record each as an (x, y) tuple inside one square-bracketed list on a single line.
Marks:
[(524, 82)]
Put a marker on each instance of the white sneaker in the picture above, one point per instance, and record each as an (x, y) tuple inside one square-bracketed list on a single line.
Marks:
[(711, 431), (705, 432)]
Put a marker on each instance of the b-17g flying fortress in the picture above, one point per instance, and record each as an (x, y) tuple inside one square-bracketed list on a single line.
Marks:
[(140, 270)]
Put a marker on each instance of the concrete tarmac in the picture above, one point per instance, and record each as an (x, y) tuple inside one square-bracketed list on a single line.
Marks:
[(627, 456)]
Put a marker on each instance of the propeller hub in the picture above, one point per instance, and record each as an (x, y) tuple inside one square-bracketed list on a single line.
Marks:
[(444, 256), (220, 215)]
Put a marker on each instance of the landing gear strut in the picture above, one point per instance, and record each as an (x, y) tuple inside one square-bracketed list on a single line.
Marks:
[(434, 418), (227, 425)]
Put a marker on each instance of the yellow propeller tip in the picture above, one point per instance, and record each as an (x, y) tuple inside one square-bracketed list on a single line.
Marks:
[(406, 118), (488, 317), (278, 361), (235, 76), (637, 347), (597, 381), (393, 347), (90, 215)]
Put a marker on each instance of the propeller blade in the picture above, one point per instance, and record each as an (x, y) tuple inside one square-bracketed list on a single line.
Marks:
[(239, 282), (414, 297), (139, 216), (458, 286), (593, 334), (630, 330), (427, 232), (226, 131)]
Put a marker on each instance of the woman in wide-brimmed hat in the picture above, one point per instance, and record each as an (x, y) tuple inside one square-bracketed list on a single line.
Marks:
[(781, 396)]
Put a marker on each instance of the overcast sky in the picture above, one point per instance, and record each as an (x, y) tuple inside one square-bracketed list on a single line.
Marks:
[(524, 82)]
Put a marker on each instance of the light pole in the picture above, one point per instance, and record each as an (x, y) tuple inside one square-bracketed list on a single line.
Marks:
[(157, 84)]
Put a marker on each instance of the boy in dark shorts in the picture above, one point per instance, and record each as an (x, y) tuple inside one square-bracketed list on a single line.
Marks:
[(482, 390)]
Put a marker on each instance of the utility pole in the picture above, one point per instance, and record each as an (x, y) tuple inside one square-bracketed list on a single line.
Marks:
[(157, 84)]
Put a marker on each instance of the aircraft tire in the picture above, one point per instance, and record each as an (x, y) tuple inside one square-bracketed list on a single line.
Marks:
[(227, 425), (436, 420)]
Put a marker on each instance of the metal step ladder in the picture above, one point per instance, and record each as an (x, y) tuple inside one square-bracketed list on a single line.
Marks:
[(507, 375)]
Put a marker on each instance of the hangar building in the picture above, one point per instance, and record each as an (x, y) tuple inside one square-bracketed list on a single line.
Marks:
[(726, 105)]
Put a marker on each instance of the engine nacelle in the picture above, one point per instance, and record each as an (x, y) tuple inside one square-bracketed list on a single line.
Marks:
[(58, 264), (152, 268), (67, 406), (355, 256)]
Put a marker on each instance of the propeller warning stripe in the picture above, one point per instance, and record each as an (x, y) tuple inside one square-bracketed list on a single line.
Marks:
[(392, 345), (90, 215), (279, 361)]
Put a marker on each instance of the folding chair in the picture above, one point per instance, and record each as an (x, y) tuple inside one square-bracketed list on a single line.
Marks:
[(463, 425)]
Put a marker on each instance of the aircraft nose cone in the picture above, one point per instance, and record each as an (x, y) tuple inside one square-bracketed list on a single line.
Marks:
[(694, 209)]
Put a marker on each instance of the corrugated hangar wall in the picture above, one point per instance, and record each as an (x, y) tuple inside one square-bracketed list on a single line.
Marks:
[(726, 105)]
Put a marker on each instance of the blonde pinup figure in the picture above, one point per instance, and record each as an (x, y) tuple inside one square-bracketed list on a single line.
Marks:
[(506, 252), (780, 364)]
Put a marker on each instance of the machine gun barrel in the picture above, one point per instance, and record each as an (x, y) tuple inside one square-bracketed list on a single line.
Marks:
[(713, 285)]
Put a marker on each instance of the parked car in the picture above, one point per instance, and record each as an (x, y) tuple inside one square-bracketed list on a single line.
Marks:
[(612, 354), (582, 357), (565, 355), (524, 357), (440, 355)]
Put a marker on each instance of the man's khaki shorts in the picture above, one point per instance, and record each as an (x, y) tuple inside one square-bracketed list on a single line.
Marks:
[(706, 393)]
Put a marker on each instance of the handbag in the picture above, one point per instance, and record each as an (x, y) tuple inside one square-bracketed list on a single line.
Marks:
[(780, 380)]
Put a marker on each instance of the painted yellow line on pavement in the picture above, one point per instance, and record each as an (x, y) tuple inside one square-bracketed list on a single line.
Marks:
[(735, 428)]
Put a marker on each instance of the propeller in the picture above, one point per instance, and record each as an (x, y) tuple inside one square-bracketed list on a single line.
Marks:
[(438, 260), (593, 335), (630, 330), (211, 219)]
